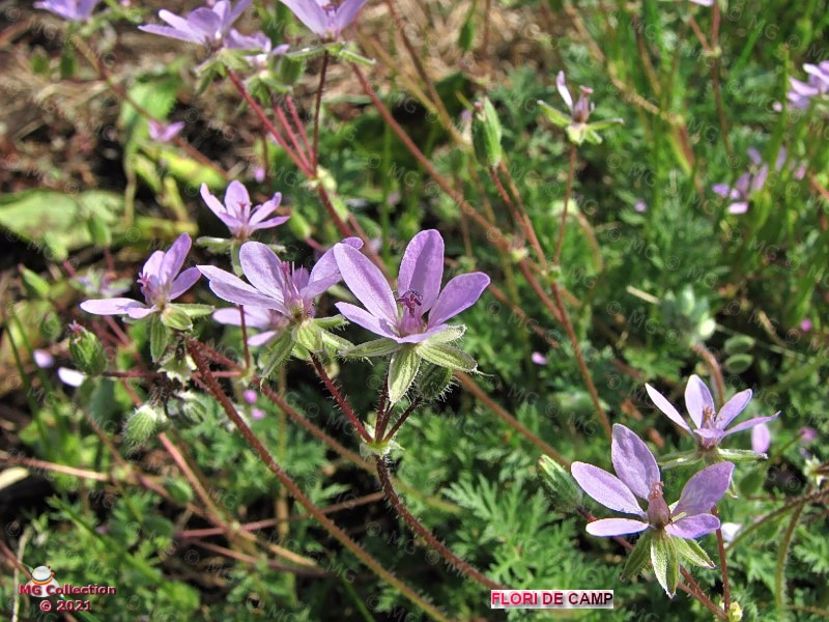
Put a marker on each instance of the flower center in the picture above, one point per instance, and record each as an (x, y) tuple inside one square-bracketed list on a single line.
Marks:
[(707, 417), (659, 514), (411, 322), (154, 292)]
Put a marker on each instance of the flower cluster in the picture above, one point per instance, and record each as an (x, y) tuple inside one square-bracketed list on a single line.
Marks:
[(753, 180), (801, 93)]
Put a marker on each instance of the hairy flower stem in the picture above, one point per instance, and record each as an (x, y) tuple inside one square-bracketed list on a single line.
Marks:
[(522, 208), (568, 191), (416, 526), (726, 587), (316, 151), (340, 398), (267, 459), (402, 418), (244, 327), (521, 219), (782, 554)]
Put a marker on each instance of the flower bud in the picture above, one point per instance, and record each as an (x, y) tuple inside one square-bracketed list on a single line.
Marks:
[(87, 351), (486, 134), (36, 286), (562, 491), (145, 421)]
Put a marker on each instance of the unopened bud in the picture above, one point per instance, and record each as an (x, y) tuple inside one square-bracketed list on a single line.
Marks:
[(562, 490), (434, 382), (143, 424), (87, 351), (486, 134)]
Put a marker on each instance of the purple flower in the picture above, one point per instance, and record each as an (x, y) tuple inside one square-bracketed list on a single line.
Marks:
[(754, 180), (817, 84), (325, 18), (760, 438), (206, 25), (237, 214), (160, 282), (164, 132), (808, 435), (538, 358), (43, 358), (710, 426), (580, 109), (276, 284), (637, 477), (269, 321), (73, 10), (258, 42), (806, 325), (401, 318), (71, 377)]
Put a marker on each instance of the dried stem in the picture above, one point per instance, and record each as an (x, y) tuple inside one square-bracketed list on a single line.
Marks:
[(416, 526), (194, 347)]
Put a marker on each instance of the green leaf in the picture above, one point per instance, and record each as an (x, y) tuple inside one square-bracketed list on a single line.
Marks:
[(50, 219), (639, 557), (159, 338), (335, 321), (176, 318), (738, 363), (402, 371), (692, 552), (665, 562), (376, 347), (277, 353), (446, 356)]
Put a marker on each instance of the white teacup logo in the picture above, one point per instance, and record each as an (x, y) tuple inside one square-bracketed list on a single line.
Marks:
[(42, 578)]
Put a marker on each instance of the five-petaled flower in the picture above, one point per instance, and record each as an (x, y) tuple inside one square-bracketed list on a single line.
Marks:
[(576, 124), (72, 10), (401, 318), (275, 284), (637, 476), (817, 85), (237, 213), (710, 426), (160, 282), (207, 25), (325, 18)]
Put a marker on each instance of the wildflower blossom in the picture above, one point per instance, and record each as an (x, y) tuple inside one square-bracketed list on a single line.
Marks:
[(260, 43), (752, 181), (161, 279), (703, 2), (325, 18), (207, 25), (71, 377), (43, 358), (275, 284), (270, 322), (401, 318), (710, 426), (538, 358), (237, 214), (164, 132), (666, 529), (72, 10), (576, 123), (817, 84), (637, 476)]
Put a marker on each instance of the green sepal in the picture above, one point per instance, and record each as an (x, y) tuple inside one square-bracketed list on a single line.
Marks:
[(375, 347), (740, 455), (434, 381), (448, 335), (665, 562), (144, 422), (350, 56), (639, 557), (327, 323), (277, 354), (309, 336), (445, 355), (215, 245), (691, 552), (334, 342), (564, 493), (402, 371), (195, 310), (554, 115), (176, 318), (159, 338), (679, 458)]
